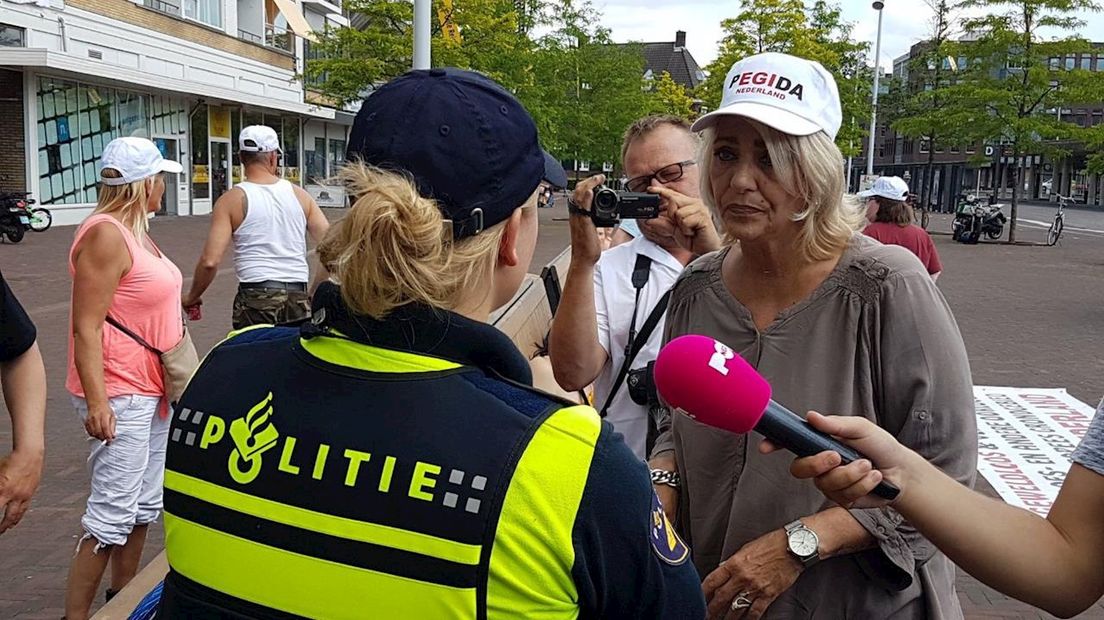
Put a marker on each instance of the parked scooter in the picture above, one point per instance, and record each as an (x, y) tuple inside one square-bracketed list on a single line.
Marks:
[(17, 216), (15, 220), (973, 219)]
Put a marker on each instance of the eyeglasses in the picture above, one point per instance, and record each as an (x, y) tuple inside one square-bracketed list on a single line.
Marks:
[(667, 174), (545, 196)]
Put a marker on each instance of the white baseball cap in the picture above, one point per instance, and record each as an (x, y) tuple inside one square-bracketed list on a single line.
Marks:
[(259, 139), (893, 188), (793, 95), (134, 159)]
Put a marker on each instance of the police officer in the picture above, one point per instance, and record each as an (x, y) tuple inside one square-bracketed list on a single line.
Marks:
[(389, 459)]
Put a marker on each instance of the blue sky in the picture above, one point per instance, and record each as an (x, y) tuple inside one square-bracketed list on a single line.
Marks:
[(904, 22)]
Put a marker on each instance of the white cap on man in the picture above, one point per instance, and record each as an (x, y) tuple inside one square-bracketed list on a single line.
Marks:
[(134, 159), (892, 188), (259, 139), (790, 94)]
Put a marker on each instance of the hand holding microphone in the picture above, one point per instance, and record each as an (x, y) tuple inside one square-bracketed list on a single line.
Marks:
[(713, 385)]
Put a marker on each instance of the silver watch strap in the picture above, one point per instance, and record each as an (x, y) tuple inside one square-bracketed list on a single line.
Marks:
[(807, 560)]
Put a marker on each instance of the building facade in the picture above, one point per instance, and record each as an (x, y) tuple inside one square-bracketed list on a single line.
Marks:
[(187, 74), (990, 167)]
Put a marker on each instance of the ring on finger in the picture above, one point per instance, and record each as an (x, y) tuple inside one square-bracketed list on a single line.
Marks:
[(742, 601)]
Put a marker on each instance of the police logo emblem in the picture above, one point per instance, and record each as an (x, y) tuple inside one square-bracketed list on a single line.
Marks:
[(666, 543)]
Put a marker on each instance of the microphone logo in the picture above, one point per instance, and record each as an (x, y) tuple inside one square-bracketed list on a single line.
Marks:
[(721, 355)]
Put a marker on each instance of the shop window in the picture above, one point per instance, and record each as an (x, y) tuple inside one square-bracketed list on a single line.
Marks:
[(75, 122), (237, 171), (316, 161), (201, 156), (168, 116), (291, 149), (337, 155)]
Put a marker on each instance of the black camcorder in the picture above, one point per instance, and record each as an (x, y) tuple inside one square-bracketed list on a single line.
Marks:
[(642, 388), (610, 207)]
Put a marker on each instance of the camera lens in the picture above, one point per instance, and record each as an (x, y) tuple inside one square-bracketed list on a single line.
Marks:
[(605, 201)]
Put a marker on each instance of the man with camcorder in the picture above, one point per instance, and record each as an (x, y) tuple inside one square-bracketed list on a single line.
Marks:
[(609, 324)]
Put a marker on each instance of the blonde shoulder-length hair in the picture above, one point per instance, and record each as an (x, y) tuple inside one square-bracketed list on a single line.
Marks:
[(128, 201), (811, 168), (394, 247)]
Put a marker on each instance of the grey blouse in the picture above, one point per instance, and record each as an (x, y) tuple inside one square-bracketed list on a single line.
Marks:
[(876, 339), (1090, 452)]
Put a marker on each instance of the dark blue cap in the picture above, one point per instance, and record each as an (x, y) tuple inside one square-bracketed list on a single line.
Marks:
[(554, 172), (468, 143)]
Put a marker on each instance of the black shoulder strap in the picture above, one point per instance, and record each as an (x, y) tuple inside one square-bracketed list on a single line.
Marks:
[(119, 326), (637, 340)]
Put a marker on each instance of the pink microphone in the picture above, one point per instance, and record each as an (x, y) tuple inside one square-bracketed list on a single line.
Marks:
[(715, 386)]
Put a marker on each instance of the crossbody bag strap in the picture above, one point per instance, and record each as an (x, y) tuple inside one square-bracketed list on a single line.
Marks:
[(135, 337), (641, 272)]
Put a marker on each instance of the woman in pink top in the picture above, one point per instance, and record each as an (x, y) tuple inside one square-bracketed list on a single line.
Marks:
[(117, 384)]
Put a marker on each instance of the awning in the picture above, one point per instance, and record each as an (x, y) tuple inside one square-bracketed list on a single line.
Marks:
[(125, 77), (295, 19)]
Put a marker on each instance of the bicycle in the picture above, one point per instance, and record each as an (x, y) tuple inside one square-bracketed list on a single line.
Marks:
[(920, 212), (1055, 229), (41, 219)]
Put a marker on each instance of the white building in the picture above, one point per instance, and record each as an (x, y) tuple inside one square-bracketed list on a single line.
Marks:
[(75, 74)]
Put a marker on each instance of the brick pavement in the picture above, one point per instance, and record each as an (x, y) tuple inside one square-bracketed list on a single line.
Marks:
[(1028, 316)]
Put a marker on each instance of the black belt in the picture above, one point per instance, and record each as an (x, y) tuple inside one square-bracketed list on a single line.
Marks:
[(273, 284)]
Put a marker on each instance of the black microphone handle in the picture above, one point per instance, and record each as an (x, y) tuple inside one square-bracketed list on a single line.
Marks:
[(789, 430)]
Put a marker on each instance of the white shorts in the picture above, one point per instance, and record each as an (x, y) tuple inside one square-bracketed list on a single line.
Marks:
[(128, 474)]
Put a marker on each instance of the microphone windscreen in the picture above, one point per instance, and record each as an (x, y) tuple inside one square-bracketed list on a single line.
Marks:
[(711, 383)]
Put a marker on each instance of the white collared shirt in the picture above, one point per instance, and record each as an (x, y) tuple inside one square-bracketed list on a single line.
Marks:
[(613, 300)]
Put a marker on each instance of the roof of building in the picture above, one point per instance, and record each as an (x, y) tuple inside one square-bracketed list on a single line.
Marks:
[(678, 61)]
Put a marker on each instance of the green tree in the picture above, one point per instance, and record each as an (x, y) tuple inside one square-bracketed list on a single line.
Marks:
[(378, 46), (347, 61), (670, 97), (815, 31), (584, 90), (1012, 77), (848, 62), (932, 103)]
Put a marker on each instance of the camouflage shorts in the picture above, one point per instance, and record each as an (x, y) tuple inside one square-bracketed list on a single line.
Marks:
[(254, 306)]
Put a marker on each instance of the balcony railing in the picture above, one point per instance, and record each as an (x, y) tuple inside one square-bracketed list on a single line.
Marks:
[(274, 36), (250, 36), (279, 38), (163, 6)]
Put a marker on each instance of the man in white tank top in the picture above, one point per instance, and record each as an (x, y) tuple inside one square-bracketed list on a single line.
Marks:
[(268, 219)]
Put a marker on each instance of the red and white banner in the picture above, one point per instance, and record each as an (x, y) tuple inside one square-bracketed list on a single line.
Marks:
[(1025, 439)]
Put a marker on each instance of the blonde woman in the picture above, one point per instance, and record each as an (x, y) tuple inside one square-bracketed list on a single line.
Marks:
[(120, 274), (836, 322), (390, 459)]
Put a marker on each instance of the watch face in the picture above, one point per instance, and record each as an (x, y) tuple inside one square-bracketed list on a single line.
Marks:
[(803, 542)]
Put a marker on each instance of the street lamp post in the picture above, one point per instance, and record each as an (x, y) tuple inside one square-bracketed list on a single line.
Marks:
[(421, 34), (878, 5)]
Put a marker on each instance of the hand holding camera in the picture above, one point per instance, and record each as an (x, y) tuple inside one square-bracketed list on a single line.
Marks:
[(594, 206), (691, 222)]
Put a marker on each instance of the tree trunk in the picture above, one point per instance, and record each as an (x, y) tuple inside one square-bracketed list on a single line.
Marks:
[(1015, 195)]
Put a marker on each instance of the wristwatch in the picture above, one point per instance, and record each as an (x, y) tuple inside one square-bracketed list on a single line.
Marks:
[(669, 478), (803, 543)]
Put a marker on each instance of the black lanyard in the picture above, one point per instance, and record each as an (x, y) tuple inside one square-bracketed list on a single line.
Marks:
[(636, 342)]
